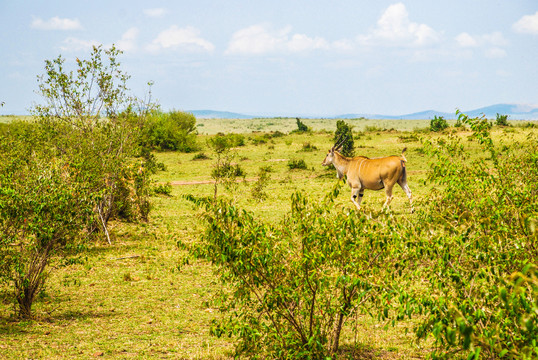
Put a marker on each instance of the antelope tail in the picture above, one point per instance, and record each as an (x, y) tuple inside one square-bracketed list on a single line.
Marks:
[(403, 156)]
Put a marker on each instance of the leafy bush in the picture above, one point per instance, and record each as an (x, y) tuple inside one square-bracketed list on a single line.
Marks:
[(224, 171), (163, 189), (69, 173), (438, 123), (200, 156), (308, 147), (175, 131), (501, 120), (295, 283), (482, 293), (44, 208), (344, 132), (258, 189), (297, 164), (301, 127)]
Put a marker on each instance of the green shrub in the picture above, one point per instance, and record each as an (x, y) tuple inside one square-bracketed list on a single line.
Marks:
[(224, 171), (301, 127), (175, 131), (297, 164), (438, 123), (258, 189), (482, 289), (295, 283), (308, 147), (200, 156), (65, 176), (344, 132), (501, 120), (163, 189)]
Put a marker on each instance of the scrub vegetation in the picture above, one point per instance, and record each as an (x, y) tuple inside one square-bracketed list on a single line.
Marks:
[(116, 241)]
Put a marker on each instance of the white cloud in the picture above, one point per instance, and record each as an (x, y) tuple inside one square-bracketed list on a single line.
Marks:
[(175, 37), (72, 44), (492, 43), (56, 23), (395, 28), (466, 40), (495, 38), (528, 24), (262, 39), (495, 53), (128, 40), (155, 12)]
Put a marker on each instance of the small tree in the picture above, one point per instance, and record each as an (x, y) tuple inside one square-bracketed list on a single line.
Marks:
[(65, 176), (175, 130), (43, 209), (294, 283), (90, 119), (301, 127), (501, 120), (344, 132), (224, 172), (438, 123)]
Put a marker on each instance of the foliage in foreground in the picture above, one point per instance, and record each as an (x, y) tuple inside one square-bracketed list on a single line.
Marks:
[(295, 283), (480, 259), (465, 268)]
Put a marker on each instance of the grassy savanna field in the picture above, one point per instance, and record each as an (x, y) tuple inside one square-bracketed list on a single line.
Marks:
[(145, 296)]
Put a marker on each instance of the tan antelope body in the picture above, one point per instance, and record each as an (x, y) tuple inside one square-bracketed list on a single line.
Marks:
[(373, 174)]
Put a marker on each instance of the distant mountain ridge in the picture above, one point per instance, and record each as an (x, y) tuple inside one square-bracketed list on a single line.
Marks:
[(514, 111)]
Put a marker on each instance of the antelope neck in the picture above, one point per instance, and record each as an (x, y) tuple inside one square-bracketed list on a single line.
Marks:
[(341, 163)]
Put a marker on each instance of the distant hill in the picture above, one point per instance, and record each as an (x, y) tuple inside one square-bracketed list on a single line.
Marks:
[(514, 111), (212, 114)]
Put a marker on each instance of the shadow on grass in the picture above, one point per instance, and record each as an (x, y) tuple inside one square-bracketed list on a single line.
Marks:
[(362, 352), (11, 325)]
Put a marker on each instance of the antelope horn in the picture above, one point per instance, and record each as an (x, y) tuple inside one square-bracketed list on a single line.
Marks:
[(340, 141)]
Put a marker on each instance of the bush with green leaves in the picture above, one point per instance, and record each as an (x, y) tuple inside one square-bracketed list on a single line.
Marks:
[(174, 130), (501, 120), (477, 266), (90, 119), (344, 133), (438, 123), (224, 171), (297, 164), (301, 127), (43, 210), (65, 176), (294, 284), (258, 189)]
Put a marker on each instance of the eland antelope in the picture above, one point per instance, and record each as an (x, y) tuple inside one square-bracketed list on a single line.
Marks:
[(373, 174)]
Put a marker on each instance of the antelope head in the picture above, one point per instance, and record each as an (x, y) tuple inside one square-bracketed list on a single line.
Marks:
[(329, 159)]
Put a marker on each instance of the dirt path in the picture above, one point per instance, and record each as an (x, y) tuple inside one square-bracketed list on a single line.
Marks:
[(199, 182)]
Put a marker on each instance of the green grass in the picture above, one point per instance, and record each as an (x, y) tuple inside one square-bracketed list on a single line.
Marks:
[(144, 297)]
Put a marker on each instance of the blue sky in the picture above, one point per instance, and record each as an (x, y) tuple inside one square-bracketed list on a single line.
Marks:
[(292, 57)]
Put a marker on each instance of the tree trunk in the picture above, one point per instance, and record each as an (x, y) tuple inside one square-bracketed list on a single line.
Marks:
[(28, 285)]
